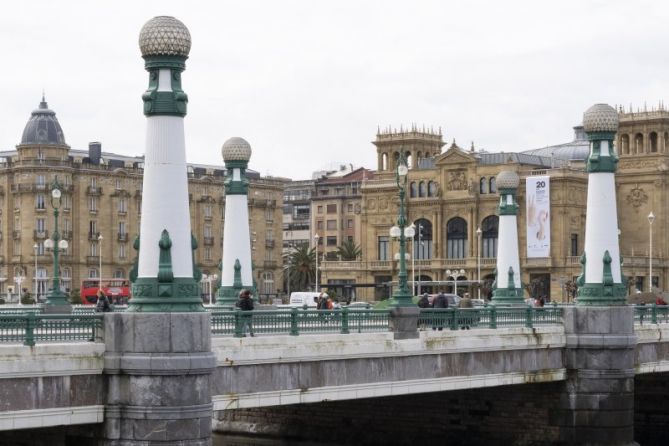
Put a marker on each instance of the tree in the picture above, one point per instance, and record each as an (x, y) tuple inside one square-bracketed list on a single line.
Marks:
[(349, 250), (300, 267)]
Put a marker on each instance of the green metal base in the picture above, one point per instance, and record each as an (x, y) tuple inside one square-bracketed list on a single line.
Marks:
[(400, 299), (150, 296), (57, 300), (507, 297), (602, 295)]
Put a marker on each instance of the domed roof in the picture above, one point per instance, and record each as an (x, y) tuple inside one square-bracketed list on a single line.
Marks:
[(164, 36), (507, 179), (600, 118), (43, 127), (236, 149)]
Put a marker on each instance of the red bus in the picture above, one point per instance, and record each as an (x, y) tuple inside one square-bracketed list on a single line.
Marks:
[(117, 290)]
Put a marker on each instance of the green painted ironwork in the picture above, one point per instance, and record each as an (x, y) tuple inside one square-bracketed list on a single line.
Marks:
[(170, 103), (197, 273), (504, 207), (597, 162), (606, 293), (135, 265), (402, 294), (227, 295), (232, 186), (31, 328), (55, 297), (651, 314), (509, 295)]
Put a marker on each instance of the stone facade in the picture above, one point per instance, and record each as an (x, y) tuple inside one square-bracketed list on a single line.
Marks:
[(452, 193)]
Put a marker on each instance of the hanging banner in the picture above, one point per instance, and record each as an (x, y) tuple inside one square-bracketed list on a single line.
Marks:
[(538, 208)]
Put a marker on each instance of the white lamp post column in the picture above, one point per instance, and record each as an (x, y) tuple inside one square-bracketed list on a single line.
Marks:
[(651, 219)]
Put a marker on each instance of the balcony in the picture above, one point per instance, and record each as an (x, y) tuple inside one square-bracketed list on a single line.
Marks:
[(40, 235), (92, 260), (93, 235), (16, 235), (66, 235), (208, 241), (269, 264), (94, 190), (122, 236), (269, 244)]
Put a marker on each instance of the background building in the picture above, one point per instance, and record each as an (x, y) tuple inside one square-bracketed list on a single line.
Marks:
[(102, 196)]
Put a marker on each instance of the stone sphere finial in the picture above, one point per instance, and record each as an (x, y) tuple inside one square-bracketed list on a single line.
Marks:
[(600, 118), (236, 149), (164, 36), (507, 179)]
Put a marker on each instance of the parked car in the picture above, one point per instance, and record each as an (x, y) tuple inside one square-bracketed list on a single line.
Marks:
[(453, 299), (358, 305), (304, 299)]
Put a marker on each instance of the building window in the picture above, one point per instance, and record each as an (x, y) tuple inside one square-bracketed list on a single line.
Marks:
[(331, 240), (267, 282), (92, 229), (41, 279), (383, 247), (66, 279), (413, 190), (320, 209), (431, 189), (421, 189), (93, 273), (207, 253), (331, 208), (118, 184), (483, 185), (122, 204), (350, 208), (40, 224), (489, 233), (319, 225), (40, 248), (39, 201), (92, 203), (456, 238), (492, 185), (574, 245), (119, 274), (349, 223), (67, 202), (93, 249), (331, 225), (423, 239), (122, 250)]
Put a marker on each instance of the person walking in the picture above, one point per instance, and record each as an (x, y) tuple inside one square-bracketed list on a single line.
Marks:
[(102, 305), (424, 302), (466, 319), (245, 303), (439, 302)]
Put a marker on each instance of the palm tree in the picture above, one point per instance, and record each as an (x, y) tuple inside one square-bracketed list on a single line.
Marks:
[(349, 250), (300, 267)]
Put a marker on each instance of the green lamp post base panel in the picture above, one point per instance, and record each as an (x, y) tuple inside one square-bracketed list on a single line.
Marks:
[(607, 292), (509, 295)]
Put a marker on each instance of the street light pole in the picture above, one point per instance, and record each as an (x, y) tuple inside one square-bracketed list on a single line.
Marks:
[(35, 248), (401, 296), (651, 219), (478, 261), (55, 298), (100, 258), (411, 232), (316, 237), (455, 274), (420, 249)]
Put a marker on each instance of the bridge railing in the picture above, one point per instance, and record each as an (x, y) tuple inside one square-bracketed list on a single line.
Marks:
[(30, 328), (489, 317), (296, 321), (651, 314)]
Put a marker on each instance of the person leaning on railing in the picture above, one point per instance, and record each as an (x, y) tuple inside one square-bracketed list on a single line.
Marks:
[(245, 303), (466, 318)]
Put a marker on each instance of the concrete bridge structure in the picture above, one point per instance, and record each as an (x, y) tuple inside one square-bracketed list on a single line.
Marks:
[(76, 385)]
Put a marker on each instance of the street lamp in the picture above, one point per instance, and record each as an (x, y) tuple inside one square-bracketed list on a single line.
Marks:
[(478, 261), (455, 274), (420, 249), (208, 278), (316, 237), (55, 297), (19, 279), (651, 219), (401, 296), (411, 233), (100, 258), (35, 248)]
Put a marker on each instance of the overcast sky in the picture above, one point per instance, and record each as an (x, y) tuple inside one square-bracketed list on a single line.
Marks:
[(307, 82)]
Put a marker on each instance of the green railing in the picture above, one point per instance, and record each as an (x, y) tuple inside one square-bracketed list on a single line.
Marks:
[(488, 317), (651, 314), (31, 328), (296, 321)]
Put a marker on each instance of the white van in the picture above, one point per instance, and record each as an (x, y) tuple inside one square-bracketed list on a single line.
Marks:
[(302, 298)]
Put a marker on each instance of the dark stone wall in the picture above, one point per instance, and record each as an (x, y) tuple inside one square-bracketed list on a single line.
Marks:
[(651, 409), (51, 391), (499, 416)]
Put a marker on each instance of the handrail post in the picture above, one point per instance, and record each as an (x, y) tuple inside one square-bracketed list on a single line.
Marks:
[(653, 314), (454, 318), (344, 320), (238, 323), (30, 327), (493, 316), (293, 322), (528, 316)]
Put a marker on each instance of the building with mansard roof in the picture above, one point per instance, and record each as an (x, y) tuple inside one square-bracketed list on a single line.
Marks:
[(452, 199), (102, 196)]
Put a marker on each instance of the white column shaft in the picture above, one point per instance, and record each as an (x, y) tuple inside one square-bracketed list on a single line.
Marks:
[(165, 197), (507, 251), (236, 241), (601, 227)]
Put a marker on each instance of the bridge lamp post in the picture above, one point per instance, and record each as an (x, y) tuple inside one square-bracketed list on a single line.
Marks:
[(420, 249), (19, 280), (35, 247), (55, 297), (651, 219), (454, 274), (100, 260), (401, 296), (411, 233), (478, 260), (316, 237)]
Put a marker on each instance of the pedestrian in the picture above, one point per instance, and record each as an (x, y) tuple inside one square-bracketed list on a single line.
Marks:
[(102, 305), (439, 302), (466, 318), (660, 301), (424, 302), (245, 303)]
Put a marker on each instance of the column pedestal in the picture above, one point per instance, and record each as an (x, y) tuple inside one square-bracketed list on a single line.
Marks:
[(404, 322)]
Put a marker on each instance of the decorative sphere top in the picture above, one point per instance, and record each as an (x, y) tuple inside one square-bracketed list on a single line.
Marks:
[(507, 179), (600, 118), (236, 149), (164, 36)]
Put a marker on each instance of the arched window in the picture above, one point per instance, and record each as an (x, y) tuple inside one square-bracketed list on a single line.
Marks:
[(422, 248), (456, 238), (431, 189), (625, 144), (419, 157), (489, 233), (413, 189), (42, 280), (638, 143), (653, 142), (421, 189), (666, 142), (267, 282), (384, 161), (493, 186), (409, 158), (483, 185)]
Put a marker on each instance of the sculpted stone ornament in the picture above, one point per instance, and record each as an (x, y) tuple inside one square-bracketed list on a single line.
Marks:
[(637, 197), (457, 180)]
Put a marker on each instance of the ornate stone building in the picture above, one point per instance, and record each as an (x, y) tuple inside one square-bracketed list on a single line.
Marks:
[(102, 196), (452, 194)]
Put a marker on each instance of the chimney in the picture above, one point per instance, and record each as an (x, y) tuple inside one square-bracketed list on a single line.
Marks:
[(95, 152)]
